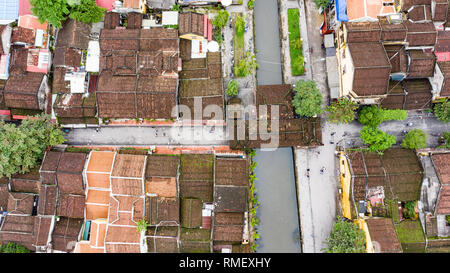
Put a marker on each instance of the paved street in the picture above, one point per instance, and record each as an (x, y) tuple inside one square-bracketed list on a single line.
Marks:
[(158, 135)]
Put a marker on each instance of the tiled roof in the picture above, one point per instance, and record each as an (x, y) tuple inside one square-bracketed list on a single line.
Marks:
[(383, 235), (74, 34), (112, 20), (230, 199), (23, 35), (162, 210), (162, 166), (419, 13), (231, 172), (445, 69), (47, 200), (126, 165), (21, 91), (64, 56), (70, 205), (370, 61), (421, 34), (362, 32), (191, 22), (66, 232), (421, 64), (69, 173), (20, 203)]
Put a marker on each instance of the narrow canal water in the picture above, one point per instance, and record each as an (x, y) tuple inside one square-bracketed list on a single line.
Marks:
[(278, 211)]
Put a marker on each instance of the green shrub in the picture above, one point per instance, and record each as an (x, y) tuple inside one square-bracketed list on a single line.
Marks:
[(442, 111), (232, 88), (240, 25), (345, 237), (221, 19), (251, 4), (342, 111), (13, 248), (374, 115), (377, 140), (246, 66), (415, 139)]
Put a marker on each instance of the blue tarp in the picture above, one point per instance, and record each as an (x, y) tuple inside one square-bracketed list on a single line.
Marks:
[(341, 10)]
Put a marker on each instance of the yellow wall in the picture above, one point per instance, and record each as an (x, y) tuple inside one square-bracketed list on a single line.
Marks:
[(345, 177), (361, 223)]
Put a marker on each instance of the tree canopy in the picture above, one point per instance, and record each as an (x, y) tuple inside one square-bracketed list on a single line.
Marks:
[(22, 147), (377, 140), (342, 111), (56, 11), (87, 12), (345, 237), (442, 111), (374, 115), (232, 88), (13, 248), (322, 3), (415, 139), (308, 99), (221, 18), (246, 65)]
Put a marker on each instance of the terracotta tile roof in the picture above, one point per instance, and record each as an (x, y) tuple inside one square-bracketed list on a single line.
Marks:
[(41, 230), (162, 186), (64, 56), (407, 4), (361, 32), (441, 163), (47, 200), (19, 229), (126, 165), (100, 161), (122, 248), (23, 35), (418, 94), (445, 69), (421, 64), (112, 20), (74, 34), (370, 61), (70, 205), (69, 173), (27, 183), (443, 42), (397, 58), (66, 232), (191, 212), (421, 34), (134, 4), (119, 234), (18, 61), (162, 210), (4, 195), (393, 32), (228, 233), (383, 235), (440, 10), (232, 172), (162, 166), (134, 20), (419, 13), (398, 170), (21, 91), (230, 199), (229, 218), (20, 203), (191, 23), (49, 166)]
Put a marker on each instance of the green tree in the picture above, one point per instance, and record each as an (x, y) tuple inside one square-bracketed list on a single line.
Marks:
[(308, 99), (53, 11), (141, 226), (322, 3), (232, 88), (246, 65), (87, 12), (251, 4), (415, 139), (221, 18), (13, 248), (342, 111), (377, 140), (22, 147), (239, 25), (346, 237), (446, 136), (442, 111), (374, 115)]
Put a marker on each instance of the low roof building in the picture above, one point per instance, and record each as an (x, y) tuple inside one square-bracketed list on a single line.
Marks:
[(73, 34), (383, 235)]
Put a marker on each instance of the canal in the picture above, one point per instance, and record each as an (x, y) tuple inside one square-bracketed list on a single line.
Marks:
[(276, 188)]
